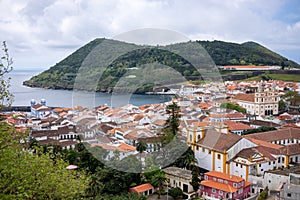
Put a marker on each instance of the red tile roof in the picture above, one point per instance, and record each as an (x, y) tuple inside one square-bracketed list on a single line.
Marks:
[(218, 141), (292, 149), (141, 188), (280, 134), (224, 176), (234, 126), (244, 97), (244, 66), (219, 186), (265, 143)]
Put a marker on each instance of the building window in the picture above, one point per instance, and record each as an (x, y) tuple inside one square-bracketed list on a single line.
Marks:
[(201, 187), (219, 156), (289, 195), (203, 150), (209, 151), (197, 148), (214, 178), (225, 182), (220, 180), (236, 164), (213, 190), (205, 177), (220, 192), (234, 185)]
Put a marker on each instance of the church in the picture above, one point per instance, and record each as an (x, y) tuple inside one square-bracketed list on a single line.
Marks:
[(263, 102)]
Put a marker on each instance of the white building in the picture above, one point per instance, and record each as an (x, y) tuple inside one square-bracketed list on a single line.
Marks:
[(262, 102)]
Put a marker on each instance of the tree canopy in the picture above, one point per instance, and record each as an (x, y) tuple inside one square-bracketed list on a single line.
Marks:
[(24, 175), (6, 62)]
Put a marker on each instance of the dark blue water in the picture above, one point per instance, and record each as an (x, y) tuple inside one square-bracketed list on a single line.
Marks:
[(66, 98)]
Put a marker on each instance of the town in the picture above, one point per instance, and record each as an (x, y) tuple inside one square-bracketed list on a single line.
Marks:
[(245, 138)]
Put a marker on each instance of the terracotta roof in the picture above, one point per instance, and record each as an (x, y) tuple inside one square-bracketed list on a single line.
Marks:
[(244, 66), (265, 143), (244, 97), (224, 176), (250, 152), (233, 126), (292, 149), (159, 122), (280, 134), (236, 115), (120, 147), (218, 141), (141, 188), (138, 117), (219, 186), (264, 123)]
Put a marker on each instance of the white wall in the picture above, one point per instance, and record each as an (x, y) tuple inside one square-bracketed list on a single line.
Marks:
[(272, 181), (240, 145)]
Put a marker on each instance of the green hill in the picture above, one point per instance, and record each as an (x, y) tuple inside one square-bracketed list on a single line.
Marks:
[(101, 75)]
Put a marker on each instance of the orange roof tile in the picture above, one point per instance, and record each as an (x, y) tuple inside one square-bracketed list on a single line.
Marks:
[(141, 188), (126, 147), (244, 97), (219, 186), (265, 143), (232, 125), (244, 66), (221, 175)]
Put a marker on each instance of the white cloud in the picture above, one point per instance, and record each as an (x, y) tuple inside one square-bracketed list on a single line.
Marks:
[(43, 32)]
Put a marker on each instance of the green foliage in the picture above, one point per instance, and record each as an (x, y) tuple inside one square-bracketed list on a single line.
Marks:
[(233, 107), (260, 129), (249, 53), (24, 175), (281, 105), (176, 192), (141, 146), (111, 181), (186, 160), (195, 178), (123, 196), (172, 123), (158, 180), (63, 74), (6, 62), (263, 195)]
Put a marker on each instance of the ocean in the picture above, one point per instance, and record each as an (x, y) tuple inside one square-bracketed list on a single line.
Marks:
[(66, 98)]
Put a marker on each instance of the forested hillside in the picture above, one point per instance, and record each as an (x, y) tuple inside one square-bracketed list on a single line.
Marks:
[(63, 74)]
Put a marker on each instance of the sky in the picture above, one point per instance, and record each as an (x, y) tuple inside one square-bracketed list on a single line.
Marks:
[(41, 33)]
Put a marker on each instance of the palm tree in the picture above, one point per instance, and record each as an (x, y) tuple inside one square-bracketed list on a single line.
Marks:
[(158, 180)]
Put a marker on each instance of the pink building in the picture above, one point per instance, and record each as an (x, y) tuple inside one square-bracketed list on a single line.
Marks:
[(218, 185)]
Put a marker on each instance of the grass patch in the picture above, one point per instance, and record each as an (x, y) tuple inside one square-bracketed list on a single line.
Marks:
[(282, 77), (285, 77)]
